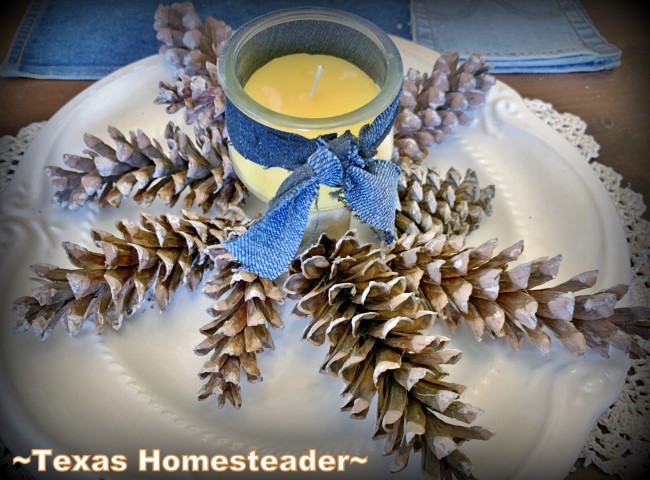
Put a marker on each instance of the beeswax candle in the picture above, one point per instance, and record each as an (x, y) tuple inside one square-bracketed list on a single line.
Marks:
[(283, 85), (267, 70)]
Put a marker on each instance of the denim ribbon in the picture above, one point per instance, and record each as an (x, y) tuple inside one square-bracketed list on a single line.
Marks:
[(368, 186)]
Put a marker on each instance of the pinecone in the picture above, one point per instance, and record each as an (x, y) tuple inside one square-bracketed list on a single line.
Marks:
[(200, 95), (193, 49), (242, 312), (139, 167), (433, 105), (456, 204), (472, 285), (373, 320), (188, 43), (106, 287)]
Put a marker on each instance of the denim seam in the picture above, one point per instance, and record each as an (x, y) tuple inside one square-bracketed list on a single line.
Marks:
[(25, 31), (585, 31)]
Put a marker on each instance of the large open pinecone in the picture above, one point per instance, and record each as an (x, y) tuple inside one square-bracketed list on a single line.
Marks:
[(149, 260), (433, 105), (455, 203), (373, 320), (472, 285), (242, 312), (139, 167), (152, 260), (368, 303)]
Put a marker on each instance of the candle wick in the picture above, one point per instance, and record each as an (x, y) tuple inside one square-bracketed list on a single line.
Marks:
[(319, 72)]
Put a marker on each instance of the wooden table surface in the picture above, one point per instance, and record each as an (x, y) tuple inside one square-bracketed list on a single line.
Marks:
[(615, 104)]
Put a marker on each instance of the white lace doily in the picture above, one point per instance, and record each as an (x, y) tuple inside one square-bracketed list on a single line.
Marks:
[(12, 150), (619, 444)]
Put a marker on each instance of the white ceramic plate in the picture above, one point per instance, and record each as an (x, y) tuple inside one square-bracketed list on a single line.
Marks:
[(136, 388)]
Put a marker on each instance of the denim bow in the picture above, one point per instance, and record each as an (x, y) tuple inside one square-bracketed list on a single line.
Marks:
[(368, 186)]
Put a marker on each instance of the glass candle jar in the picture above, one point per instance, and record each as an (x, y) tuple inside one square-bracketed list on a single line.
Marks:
[(315, 31)]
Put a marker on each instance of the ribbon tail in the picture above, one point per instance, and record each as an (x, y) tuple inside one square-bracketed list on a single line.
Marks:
[(270, 244), (371, 192)]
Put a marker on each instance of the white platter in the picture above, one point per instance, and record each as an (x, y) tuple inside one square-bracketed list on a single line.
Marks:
[(136, 388)]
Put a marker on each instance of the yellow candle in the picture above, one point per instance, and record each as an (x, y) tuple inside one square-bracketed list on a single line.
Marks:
[(284, 85)]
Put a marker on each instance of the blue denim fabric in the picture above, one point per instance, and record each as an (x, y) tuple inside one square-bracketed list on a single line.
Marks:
[(74, 39), (515, 36), (88, 39), (369, 186)]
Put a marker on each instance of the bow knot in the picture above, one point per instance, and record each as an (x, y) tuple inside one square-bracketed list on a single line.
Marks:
[(326, 166), (343, 161), (346, 148)]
